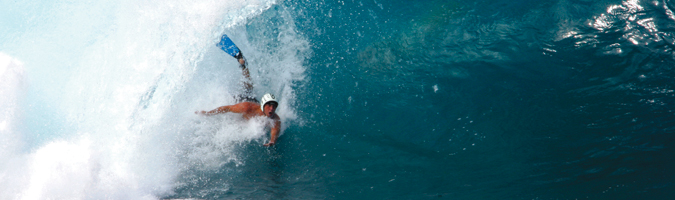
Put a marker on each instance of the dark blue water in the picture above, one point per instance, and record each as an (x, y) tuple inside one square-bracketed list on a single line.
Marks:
[(470, 100), (430, 99)]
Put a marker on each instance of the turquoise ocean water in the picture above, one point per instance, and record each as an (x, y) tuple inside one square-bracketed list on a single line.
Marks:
[(431, 99)]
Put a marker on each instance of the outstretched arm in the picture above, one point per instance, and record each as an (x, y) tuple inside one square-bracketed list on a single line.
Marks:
[(236, 108), (219, 110), (274, 133)]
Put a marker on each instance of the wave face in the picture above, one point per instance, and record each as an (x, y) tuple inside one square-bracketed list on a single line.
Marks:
[(379, 99)]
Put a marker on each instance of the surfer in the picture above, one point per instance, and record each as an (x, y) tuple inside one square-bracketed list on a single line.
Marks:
[(249, 109), (247, 104)]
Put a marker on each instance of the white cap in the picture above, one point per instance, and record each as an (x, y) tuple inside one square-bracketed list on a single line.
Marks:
[(266, 99)]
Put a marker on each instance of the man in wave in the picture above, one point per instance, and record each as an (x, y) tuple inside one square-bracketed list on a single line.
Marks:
[(248, 105)]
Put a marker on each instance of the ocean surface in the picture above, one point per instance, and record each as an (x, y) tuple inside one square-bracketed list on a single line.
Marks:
[(428, 99)]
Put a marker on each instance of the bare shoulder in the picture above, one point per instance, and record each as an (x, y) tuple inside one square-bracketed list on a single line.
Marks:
[(245, 107), (249, 105)]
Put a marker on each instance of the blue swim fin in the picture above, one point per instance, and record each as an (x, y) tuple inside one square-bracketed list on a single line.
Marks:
[(229, 47)]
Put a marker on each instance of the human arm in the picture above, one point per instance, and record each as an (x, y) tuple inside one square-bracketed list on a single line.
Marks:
[(236, 108), (219, 110), (274, 133)]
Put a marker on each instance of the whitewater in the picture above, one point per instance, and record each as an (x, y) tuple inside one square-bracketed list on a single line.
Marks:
[(97, 96)]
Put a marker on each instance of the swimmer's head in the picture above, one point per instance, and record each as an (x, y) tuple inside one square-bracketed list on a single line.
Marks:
[(268, 99)]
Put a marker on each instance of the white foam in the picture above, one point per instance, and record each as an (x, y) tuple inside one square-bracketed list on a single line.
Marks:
[(119, 87), (12, 89)]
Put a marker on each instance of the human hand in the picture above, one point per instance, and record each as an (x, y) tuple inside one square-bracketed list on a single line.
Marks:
[(200, 112), (269, 144)]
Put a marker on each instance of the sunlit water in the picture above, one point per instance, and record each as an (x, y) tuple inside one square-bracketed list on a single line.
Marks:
[(378, 99)]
